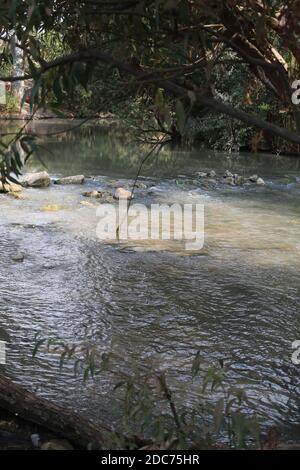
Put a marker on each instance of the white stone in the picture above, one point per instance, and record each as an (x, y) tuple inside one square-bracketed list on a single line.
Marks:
[(78, 179), (37, 180), (122, 193)]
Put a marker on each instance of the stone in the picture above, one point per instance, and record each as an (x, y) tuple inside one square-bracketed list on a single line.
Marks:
[(239, 180), (78, 179), (154, 190), (212, 174), (87, 204), (228, 174), (260, 181), (253, 178), (140, 185), (201, 174), (229, 180), (92, 194), (105, 196), (122, 193), (10, 188), (37, 180), (19, 258), (57, 444)]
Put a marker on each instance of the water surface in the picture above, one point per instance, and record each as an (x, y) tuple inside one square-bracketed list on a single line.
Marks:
[(154, 304)]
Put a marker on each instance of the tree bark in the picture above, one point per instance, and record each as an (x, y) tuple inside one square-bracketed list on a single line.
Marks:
[(32, 409), (18, 86)]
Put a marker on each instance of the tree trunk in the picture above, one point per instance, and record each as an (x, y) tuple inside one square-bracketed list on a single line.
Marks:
[(17, 87), (32, 409)]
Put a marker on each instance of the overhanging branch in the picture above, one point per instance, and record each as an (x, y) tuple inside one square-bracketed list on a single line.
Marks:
[(168, 85)]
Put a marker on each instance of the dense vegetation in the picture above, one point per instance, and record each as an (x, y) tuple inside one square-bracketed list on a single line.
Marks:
[(177, 64)]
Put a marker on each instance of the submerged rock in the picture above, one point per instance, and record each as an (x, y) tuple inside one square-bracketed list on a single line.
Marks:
[(37, 180), (87, 204), (228, 174), (239, 180), (78, 179), (122, 193), (201, 174), (19, 258), (140, 185), (229, 180), (260, 181), (103, 195), (10, 187), (253, 178)]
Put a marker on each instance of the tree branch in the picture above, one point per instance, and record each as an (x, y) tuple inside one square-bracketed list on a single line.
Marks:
[(171, 87)]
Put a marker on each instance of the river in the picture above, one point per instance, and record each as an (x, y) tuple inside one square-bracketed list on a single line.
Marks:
[(154, 304)]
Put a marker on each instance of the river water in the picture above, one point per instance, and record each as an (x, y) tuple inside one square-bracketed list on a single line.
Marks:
[(155, 304)]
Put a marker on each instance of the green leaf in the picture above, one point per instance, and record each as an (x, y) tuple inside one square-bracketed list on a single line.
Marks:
[(37, 346), (196, 364)]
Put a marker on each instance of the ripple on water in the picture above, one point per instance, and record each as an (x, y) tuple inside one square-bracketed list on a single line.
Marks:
[(239, 302)]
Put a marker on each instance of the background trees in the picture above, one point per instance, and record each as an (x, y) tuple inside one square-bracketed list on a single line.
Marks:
[(175, 62)]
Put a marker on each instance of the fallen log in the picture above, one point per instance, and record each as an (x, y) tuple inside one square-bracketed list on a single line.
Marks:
[(79, 431)]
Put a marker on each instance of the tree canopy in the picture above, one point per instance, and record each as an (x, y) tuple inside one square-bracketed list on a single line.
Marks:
[(176, 53)]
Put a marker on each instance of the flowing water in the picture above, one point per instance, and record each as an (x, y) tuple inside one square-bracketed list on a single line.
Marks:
[(155, 304)]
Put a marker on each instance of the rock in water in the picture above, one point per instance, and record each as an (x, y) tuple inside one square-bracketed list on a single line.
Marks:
[(78, 179), (18, 258), (37, 180), (212, 174), (253, 178), (229, 180), (122, 193), (10, 188), (239, 180), (140, 185), (105, 196), (94, 193), (228, 174), (260, 181), (201, 174)]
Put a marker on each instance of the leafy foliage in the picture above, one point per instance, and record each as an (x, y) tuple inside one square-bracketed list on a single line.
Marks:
[(161, 59), (152, 411)]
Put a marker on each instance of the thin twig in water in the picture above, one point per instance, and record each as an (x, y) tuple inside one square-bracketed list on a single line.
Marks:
[(158, 145)]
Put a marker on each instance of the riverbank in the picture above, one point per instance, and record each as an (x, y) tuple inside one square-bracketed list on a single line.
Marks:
[(108, 120)]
